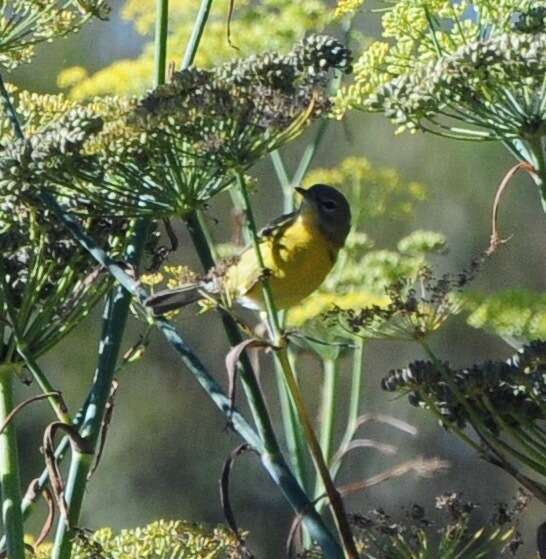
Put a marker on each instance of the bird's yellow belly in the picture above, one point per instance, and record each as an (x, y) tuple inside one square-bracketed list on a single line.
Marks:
[(298, 263)]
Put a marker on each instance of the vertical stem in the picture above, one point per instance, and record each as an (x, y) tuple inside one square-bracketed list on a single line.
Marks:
[(354, 406), (328, 407), (295, 439), (336, 503), (160, 46), (10, 111), (327, 415), (537, 151), (354, 401), (197, 32), (356, 386), (9, 471)]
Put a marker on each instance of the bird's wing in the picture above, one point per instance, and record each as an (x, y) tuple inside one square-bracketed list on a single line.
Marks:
[(246, 273), (279, 224)]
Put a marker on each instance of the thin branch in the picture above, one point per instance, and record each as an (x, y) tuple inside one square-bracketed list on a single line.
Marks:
[(22, 405)]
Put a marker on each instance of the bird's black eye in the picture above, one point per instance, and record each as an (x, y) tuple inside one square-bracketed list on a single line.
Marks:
[(328, 205)]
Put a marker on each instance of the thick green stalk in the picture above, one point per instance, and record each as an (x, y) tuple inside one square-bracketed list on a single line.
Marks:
[(336, 503), (10, 482), (271, 455)]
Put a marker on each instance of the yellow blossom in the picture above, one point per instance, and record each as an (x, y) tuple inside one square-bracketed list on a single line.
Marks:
[(345, 7), (152, 279)]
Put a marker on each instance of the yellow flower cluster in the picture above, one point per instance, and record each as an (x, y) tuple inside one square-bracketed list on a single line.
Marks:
[(347, 7), (170, 276), (163, 538), (320, 302)]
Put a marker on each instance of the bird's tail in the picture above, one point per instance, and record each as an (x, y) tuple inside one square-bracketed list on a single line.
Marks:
[(171, 299)]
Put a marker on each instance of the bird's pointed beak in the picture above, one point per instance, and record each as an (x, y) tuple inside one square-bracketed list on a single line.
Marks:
[(303, 192)]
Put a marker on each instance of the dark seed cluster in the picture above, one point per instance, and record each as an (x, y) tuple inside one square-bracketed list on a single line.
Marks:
[(412, 534), (502, 394)]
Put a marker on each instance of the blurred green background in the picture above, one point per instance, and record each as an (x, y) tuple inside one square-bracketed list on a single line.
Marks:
[(167, 442)]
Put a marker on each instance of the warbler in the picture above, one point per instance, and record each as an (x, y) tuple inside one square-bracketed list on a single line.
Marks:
[(298, 251)]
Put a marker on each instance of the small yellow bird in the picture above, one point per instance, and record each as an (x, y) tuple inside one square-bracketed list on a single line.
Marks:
[(298, 250)]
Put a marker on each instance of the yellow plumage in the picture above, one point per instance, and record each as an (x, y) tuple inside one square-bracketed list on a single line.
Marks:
[(299, 257), (298, 251)]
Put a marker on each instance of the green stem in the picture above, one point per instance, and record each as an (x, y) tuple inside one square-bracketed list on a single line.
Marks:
[(160, 46), (536, 149), (328, 407), (271, 455), (354, 401), (10, 111), (356, 387), (336, 503), (197, 32), (9, 471), (327, 417), (293, 432)]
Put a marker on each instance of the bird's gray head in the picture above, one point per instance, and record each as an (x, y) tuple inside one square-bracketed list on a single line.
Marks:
[(331, 208)]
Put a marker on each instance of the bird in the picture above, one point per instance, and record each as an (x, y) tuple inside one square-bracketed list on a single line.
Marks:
[(298, 249)]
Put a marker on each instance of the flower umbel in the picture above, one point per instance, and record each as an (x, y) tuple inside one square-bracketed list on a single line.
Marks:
[(25, 23), (171, 151), (472, 62)]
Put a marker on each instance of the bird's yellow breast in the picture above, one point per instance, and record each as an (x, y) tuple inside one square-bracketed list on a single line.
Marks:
[(299, 258)]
